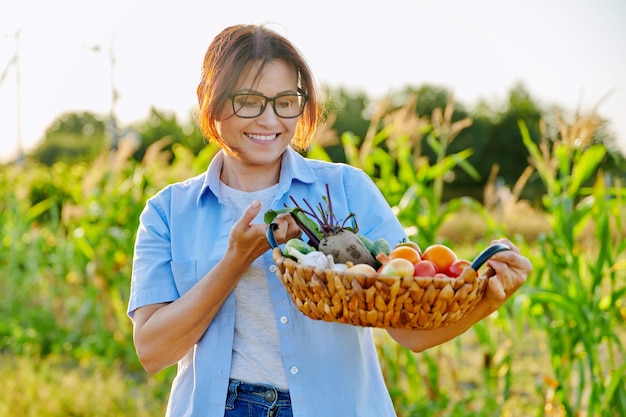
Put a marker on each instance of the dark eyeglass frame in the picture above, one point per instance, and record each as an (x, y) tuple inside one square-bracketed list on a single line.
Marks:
[(303, 96)]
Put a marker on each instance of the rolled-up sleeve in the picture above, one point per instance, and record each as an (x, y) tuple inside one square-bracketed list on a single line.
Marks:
[(152, 277)]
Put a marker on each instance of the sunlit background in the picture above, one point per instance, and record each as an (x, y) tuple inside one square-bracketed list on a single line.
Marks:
[(56, 57)]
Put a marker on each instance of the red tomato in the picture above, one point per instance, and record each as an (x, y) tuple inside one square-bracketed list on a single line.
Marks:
[(425, 268), (457, 267)]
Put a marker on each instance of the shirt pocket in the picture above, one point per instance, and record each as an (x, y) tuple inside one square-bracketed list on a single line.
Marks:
[(184, 275)]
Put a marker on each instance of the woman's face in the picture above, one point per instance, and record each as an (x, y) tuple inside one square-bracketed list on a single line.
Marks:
[(263, 139)]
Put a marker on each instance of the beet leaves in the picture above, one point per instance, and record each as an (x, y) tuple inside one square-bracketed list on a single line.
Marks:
[(316, 222)]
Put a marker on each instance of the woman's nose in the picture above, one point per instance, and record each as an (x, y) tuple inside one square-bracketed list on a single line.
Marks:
[(268, 115)]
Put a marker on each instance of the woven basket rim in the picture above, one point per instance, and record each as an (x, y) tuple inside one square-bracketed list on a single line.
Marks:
[(278, 255)]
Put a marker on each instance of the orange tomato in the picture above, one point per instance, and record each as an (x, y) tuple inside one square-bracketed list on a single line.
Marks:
[(440, 255), (405, 252)]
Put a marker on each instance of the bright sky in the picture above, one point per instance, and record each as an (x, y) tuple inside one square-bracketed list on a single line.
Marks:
[(566, 52)]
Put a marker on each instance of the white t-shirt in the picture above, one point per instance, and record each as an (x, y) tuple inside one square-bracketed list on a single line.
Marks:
[(256, 349)]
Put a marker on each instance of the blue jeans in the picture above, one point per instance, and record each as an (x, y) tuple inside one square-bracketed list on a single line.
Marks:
[(254, 400)]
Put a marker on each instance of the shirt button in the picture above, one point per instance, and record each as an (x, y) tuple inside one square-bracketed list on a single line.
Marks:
[(294, 370), (272, 268), (284, 319)]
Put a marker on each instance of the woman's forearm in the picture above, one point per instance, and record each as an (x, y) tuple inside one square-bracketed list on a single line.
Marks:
[(164, 333), (420, 340)]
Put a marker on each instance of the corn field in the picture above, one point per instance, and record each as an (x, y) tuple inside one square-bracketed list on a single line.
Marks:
[(557, 348)]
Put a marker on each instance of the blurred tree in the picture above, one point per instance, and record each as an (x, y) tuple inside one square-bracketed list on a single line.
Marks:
[(161, 125), (472, 137), (589, 128), (435, 97), (72, 138), (504, 145), (348, 108)]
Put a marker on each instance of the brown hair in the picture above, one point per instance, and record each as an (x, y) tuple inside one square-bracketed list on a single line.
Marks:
[(227, 57)]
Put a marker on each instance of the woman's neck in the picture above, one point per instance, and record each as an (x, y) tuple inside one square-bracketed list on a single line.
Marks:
[(246, 177)]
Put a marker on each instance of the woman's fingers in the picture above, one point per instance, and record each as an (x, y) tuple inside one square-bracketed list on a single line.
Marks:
[(508, 243), (248, 215), (511, 270), (513, 260), (286, 228), (504, 274), (495, 288)]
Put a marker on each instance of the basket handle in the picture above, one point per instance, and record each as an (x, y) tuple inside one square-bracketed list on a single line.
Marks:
[(486, 254), (269, 235)]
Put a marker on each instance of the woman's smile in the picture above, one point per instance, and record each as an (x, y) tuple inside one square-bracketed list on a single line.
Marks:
[(262, 137)]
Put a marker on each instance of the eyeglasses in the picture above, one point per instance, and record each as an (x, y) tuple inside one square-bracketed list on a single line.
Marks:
[(250, 105)]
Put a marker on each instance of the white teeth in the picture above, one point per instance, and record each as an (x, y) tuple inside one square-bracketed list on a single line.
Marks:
[(262, 137)]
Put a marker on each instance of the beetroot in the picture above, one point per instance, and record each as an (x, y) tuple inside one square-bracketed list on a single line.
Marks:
[(345, 246), (327, 234)]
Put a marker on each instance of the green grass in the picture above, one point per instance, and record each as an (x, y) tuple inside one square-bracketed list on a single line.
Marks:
[(60, 387)]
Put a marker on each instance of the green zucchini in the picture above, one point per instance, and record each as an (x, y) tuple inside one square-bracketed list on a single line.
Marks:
[(298, 244)]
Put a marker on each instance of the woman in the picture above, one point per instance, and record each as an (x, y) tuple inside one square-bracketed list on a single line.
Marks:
[(204, 291)]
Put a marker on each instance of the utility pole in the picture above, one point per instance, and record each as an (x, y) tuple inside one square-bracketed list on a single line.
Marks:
[(15, 61), (18, 99), (114, 97), (112, 128)]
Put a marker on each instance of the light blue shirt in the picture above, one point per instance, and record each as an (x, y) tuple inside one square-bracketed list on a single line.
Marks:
[(332, 369)]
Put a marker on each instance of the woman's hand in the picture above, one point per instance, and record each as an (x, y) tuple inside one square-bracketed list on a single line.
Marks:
[(286, 228), (248, 241), (511, 270)]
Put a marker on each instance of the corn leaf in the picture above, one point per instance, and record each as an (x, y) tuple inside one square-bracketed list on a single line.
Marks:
[(585, 167)]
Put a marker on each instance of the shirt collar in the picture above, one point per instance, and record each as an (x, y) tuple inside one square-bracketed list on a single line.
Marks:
[(293, 167)]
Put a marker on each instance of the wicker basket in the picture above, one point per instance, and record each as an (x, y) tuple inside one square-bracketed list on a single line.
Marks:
[(377, 300)]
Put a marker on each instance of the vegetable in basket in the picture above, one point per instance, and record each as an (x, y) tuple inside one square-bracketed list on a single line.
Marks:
[(299, 245), (331, 236), (316, 258)]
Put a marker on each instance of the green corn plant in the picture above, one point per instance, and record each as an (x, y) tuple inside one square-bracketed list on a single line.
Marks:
[(578, 286), (28, 234), (390, 155)]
